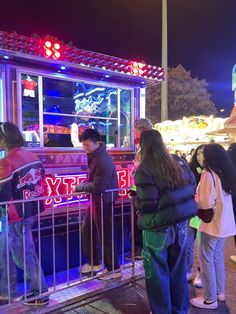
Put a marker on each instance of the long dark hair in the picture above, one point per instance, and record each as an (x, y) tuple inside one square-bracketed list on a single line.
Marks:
[(218, 160), (194, 162), (11, 134), (155, 156)]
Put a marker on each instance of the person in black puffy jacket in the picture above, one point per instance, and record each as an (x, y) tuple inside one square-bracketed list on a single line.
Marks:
[(165, 201)]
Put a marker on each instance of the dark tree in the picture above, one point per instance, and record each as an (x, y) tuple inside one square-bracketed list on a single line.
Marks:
[(187, 96)]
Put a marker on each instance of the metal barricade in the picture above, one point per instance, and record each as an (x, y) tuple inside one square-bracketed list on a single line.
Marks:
[(18, 248)]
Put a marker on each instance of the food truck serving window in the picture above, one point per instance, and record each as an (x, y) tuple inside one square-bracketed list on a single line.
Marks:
[(56, 111)]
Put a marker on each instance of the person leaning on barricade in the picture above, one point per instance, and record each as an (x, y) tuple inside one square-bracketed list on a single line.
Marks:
[(101, 176), (21, 175)]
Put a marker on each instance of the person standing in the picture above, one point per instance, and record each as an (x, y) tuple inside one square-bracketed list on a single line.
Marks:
[(193, 225), (21, 176), (165, 201), (214, 191), (102, 176), (232, 154), (140, 125)]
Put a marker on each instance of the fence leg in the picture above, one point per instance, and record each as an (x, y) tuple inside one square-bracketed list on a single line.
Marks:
[(132, 279)]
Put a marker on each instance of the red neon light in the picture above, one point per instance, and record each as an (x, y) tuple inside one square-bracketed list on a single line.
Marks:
[(48, 44), (59, 185), (57, 46), (56, 55), (48, 52), (52, 50), (138, 68)]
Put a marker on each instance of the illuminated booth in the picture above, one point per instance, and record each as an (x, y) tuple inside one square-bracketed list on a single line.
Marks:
[(53, 91)]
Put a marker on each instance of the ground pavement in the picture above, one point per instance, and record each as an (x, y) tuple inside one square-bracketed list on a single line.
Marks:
[(133, 299)]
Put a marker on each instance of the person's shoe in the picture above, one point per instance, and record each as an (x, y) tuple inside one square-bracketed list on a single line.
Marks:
[(189, 277), (28, 296), (87, 268), (204, 304), (220, 296), (108, 275), (37, 302), (197, 282), (233, 258)]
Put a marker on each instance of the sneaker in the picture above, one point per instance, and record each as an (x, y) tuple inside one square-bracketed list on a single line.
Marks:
[(37, 302), (197, 282), (87, 268), (30, 295), (189, 277), (233, 258), (220, 296), (108, 275), (204, 304)]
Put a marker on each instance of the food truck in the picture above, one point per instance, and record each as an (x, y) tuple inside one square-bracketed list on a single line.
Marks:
[(52, 91)]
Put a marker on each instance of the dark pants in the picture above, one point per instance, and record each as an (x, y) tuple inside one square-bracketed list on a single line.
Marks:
[(138, 242), (97, 233), (165, 270)]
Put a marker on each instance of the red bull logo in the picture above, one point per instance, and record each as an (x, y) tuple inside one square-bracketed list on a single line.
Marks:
[(31, 177)]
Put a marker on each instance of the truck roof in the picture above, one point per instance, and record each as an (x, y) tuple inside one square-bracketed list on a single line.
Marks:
[(49, 49)]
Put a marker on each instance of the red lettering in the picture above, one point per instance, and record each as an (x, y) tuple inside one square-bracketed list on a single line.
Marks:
[(69, 182), (52, 189)]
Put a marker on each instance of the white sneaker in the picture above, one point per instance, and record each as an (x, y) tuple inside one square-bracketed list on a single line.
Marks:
[(108, 275), (197, 282), (233, 258), (87, 268), (189, 277), (204, 304), (220, 296)]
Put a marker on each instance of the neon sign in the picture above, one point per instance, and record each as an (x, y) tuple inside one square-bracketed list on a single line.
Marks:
[(62, 184)]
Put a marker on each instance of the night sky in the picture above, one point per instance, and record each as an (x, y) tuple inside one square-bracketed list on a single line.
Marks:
[(202, 33)]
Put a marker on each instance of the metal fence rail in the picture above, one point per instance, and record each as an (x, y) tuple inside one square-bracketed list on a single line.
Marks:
[(17, 245)]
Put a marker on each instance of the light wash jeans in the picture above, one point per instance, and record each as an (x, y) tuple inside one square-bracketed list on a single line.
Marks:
[(16, 257), (211, 253)]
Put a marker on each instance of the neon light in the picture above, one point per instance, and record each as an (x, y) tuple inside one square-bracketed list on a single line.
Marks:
[(56, 55), (63, 184), (48, 52), (57, 46), (48, 44)]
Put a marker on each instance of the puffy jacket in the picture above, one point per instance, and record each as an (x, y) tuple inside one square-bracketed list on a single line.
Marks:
[(21, 174), (159, 206), (101, 176)]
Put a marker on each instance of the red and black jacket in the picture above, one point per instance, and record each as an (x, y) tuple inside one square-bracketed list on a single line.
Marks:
[(21, 174)]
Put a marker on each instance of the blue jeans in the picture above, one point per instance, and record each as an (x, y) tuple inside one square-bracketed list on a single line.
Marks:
[(16, 257), (165, 270), (211, 253)]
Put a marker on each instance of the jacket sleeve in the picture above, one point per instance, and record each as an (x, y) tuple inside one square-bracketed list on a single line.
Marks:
[(101, 180), (5, 180), (147, 192), (206, 192)]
